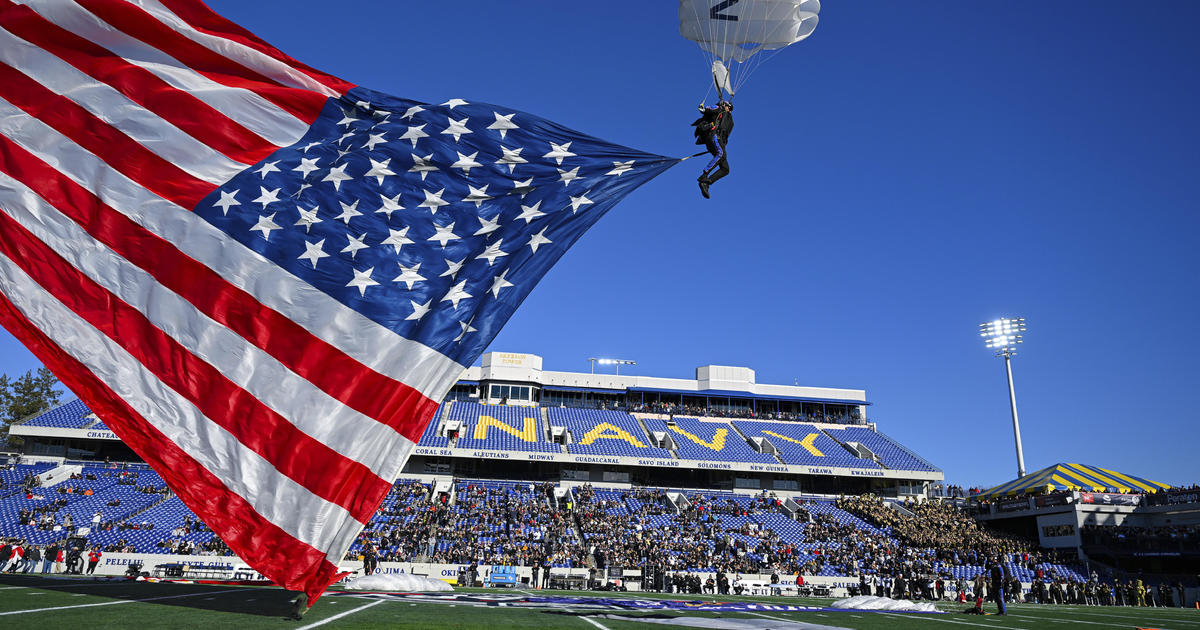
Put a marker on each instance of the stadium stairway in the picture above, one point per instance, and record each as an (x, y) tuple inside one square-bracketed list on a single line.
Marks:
[(757, 446)]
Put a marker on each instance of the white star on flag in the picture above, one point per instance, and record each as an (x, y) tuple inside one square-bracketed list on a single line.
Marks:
[(512, 157), (313, 252), (227, 200), (409, 275), (454, 102), (349, 211), (529, 213), (415, 133), (307, 165), (337, 175), (566, 177), (421, 165), (412, 111), (445, 234), (456, 128), (307, 218), (559, 151), (452, 268), (433, 201), (267, 197), (379, 170), (362, 280), (267, 167), (503, 123), (390, 204), (539, 239), (466, 162), (397, 238), (419, 310), (477, 195), (493, 252), (456, 294), (498, 283), (265, 225), (581, 200), (354, 245), (466, 328), (620, 168)]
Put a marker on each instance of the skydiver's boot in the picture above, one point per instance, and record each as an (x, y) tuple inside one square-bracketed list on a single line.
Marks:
[(300, 606), (704, 183)]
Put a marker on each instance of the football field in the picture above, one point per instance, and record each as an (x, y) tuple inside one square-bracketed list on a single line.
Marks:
[(36, 602)]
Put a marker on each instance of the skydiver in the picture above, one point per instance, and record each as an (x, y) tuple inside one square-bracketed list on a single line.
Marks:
[(712, 130)]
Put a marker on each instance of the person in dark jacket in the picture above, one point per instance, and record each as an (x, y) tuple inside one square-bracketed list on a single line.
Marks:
[(999, 577), (712, 130)]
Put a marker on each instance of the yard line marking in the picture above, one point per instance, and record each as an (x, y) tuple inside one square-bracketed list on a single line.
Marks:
[(933, 618), (1054, 620), (340, 615), (1117, 610), (124, 601), (587, 619), (5, 588), (769, 617)]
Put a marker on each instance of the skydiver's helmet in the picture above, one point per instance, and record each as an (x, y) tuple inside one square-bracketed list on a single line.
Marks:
[(726, 104)]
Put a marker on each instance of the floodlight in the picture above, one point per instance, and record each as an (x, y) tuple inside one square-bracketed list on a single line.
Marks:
[(616, 362), (1003, 335)]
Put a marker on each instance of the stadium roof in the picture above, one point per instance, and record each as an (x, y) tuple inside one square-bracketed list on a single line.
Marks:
[(1072, 477)]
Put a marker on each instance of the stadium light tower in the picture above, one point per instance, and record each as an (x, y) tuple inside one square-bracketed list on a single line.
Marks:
[(617, 362), (1003, 335)]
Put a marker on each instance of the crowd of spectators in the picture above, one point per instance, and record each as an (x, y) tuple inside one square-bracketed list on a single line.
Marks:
[(1163, 538), (730, 412)]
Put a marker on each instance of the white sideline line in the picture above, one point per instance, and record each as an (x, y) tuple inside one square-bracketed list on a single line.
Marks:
[(340, 615), (123, 601), (1124, 612), (587, 619), (769, 617), (1052, 620), (939, 619)]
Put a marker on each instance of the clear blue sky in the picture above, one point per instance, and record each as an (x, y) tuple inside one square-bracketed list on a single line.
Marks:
[(907, 172)]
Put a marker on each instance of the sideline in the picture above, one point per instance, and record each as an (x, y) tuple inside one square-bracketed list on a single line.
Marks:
[(594, 623), (340, 615), (118, 602), (943, 620)]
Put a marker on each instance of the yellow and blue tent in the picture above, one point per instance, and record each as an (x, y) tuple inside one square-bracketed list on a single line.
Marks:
[(1072, 477)]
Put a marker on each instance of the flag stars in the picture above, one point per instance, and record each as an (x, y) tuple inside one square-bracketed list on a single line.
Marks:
[(412, 111), (452, 268), (477, 195), (414, 133), (267, 197), (539, 239), (409, 275), (379, 170), (466, 162), (422, 165), (581, 200), (349, 211), (620, 168), (362, 280), (390, 205), (492, 252), (456, 294), (512, 157), (227, 200), (487, 225), (267, 167), (559, 151), (454, 102), (397, 239), (350, 133), (503, 123), (499, 282), (445, 233), (307, 218), (566, 177), (456, 128), (466, 328), (529, 213), (307, 165), (266, 225), (337, 175), (313, 252), (433, 201), (419, 310), (374, 139), (354, 245), (348, 117)]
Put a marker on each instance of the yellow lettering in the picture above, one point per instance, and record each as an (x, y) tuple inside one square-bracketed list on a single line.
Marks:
[(606, 431), (527, 433), (718, 441), (807, 442)]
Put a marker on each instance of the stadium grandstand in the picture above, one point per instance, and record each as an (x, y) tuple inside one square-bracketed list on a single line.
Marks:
[(580, 474)]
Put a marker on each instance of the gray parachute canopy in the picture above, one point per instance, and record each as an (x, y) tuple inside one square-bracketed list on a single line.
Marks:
[(733, 32)]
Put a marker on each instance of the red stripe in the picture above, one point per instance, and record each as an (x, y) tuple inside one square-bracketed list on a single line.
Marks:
[(309, 462), (188, 113), (203, 19), (133, 21), (389, 401), (124, 154), (270, 550)]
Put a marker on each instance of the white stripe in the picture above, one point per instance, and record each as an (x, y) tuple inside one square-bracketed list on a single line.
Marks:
[(311, 410), (245, 55), (593, 622), (241, 105), (146, 128), (340, 615), (277, 498), (416, 365)]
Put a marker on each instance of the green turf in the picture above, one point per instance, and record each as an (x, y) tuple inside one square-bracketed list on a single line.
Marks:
[(34, 602)]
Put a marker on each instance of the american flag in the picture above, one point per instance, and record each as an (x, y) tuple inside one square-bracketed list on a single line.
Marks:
[(264, 278)]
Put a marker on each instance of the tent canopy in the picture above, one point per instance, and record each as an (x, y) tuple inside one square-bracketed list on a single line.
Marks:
[(1072, 477)]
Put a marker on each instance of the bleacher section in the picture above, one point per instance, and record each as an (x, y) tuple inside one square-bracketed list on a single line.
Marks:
[(891, 454), (803, 444), (604, 432), (70, 415), (708, 441), (501, 428), (430, 436)]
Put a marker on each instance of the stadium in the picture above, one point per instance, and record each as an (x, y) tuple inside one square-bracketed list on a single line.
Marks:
[(716, 486)]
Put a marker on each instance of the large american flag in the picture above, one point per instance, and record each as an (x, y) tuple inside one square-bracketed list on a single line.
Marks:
[(262, 277)]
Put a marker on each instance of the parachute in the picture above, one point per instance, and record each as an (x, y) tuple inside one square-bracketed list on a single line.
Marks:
[(733, 33)]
